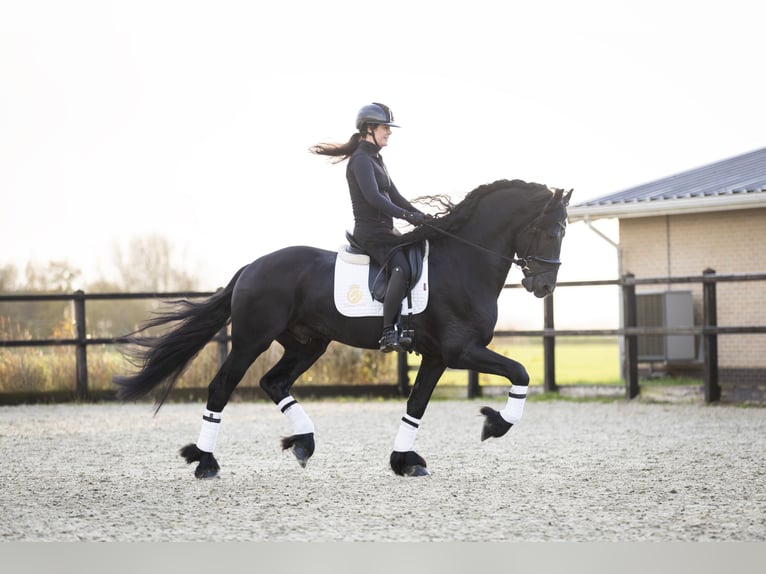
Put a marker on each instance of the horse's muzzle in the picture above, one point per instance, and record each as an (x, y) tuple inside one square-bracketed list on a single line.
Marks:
[(538, 285)]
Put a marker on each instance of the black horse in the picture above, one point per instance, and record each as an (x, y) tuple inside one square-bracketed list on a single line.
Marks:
[(287, 296)]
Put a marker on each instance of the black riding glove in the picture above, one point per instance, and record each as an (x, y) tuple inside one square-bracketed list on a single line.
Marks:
[(415, 217)]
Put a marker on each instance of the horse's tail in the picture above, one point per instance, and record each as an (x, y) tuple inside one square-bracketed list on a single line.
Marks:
[(164, 358)]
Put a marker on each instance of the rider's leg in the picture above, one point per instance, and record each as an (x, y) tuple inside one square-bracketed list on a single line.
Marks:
[(395, 292)]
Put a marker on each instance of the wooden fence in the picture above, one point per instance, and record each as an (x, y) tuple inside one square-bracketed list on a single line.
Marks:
[(709, 330)]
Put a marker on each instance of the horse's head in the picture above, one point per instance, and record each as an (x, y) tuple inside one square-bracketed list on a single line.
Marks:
[(541, 245)]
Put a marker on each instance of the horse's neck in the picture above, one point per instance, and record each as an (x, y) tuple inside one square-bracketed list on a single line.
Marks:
[(496, 235), (486, 253), (493, 227)]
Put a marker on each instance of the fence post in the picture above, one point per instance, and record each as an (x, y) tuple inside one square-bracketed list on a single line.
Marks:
[(81, 349), (710, 321), (631, 341), (403, 374), (549, 347)]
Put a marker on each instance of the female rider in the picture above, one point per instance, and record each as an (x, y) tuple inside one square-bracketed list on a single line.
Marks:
[(375, 202)]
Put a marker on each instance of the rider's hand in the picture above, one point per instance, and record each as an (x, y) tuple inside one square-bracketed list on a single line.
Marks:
[(415, 217)]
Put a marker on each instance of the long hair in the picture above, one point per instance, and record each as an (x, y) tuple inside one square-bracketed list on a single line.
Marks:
[(340, 152)]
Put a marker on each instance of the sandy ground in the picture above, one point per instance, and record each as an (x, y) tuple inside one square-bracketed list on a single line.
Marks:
[(571, 471)]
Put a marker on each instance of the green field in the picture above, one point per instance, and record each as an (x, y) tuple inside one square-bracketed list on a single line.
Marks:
[(579, 360)]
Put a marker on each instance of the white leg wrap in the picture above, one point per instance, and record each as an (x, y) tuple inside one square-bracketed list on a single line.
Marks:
[(408, 430), (514, 408), (211, 424), (298, 418)]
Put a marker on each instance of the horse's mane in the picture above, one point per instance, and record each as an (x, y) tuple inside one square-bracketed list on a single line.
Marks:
[(451, 217)]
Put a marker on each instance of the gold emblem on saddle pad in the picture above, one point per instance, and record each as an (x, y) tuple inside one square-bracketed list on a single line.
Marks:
[(354, 295)]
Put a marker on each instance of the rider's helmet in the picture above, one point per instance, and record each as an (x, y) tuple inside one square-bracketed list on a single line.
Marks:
[(375, 114)]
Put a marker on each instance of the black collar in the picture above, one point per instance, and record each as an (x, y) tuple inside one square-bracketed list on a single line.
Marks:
[(369, 147)]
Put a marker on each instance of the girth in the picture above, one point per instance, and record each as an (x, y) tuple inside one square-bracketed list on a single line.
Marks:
[(379, 275)]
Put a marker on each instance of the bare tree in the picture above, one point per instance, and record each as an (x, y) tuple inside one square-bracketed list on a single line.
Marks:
[(150, 264), (8, 274), (56, 277), (39, 318)]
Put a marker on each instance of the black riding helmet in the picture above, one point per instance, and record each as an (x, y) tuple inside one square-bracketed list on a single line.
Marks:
[(375, 114)]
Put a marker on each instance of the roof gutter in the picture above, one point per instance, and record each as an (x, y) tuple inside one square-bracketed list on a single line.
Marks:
[(662, 207)]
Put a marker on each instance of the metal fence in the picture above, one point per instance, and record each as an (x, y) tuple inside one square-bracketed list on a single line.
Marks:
[(709, 330)]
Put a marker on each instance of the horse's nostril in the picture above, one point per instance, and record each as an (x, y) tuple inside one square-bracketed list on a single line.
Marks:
[(545, 290)]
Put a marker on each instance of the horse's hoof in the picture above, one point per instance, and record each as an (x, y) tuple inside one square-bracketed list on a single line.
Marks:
[(208, 466), (494, 424), (205, 472), (408, 463), (302, 446), (302, 454), (416, 470)]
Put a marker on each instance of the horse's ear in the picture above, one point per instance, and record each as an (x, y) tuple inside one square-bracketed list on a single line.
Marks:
[(557, 191), (567, 196)]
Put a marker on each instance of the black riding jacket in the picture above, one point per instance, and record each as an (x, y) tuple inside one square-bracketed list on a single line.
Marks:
[(374, 198)]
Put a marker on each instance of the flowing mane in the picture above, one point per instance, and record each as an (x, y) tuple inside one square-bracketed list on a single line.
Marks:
[(451, 217)]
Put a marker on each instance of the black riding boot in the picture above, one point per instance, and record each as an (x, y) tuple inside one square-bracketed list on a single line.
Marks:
[(397, 284)]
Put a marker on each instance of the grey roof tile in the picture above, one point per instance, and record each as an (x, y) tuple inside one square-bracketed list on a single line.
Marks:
[(742, 174)]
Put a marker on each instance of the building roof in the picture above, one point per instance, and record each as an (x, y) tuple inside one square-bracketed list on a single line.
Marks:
[(735, 183)]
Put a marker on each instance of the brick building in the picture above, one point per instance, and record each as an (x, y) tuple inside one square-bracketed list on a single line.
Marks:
[(711, 217)]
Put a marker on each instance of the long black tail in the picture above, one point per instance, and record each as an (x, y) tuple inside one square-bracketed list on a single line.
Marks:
[(163, 359)]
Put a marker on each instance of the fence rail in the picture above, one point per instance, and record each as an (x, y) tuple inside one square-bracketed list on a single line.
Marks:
[(709, 330)]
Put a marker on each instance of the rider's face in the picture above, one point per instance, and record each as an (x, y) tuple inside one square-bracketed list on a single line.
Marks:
[(382, 133)]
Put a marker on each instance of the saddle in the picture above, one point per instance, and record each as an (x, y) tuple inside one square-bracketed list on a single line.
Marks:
[(379, 275)]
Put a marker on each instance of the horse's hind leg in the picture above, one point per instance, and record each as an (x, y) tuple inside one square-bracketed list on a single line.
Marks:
[(219, 391), (296, 360)]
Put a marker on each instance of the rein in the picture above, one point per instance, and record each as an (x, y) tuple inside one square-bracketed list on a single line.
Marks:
[(520, 262)]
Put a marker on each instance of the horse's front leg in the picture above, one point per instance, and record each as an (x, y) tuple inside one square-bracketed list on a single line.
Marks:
[(481, 359), (404, 460)]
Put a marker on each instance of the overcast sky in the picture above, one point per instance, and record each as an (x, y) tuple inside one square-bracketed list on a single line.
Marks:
[(192, 119)]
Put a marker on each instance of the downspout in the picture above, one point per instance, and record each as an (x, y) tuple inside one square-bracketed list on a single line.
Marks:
[(620, 340), (603, 236)]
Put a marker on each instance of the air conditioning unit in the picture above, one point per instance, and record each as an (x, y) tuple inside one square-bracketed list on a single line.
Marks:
[(666, 309)]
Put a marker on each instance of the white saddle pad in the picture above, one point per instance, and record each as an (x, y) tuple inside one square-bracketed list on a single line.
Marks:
[(352, 291)]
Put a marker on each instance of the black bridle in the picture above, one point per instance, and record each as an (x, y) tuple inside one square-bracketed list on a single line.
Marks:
[(523, 262), (526, 260)]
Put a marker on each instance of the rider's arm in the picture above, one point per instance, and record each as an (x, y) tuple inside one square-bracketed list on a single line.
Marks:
[(364, 172), (399, 200)]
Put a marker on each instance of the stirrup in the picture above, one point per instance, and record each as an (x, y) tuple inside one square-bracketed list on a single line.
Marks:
[(389, 341)]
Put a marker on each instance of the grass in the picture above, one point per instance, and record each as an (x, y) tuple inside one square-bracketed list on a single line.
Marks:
[(578, 361), (581, 360), (47, 369)]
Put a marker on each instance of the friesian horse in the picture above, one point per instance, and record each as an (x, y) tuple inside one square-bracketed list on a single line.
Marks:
[(287, 296)]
